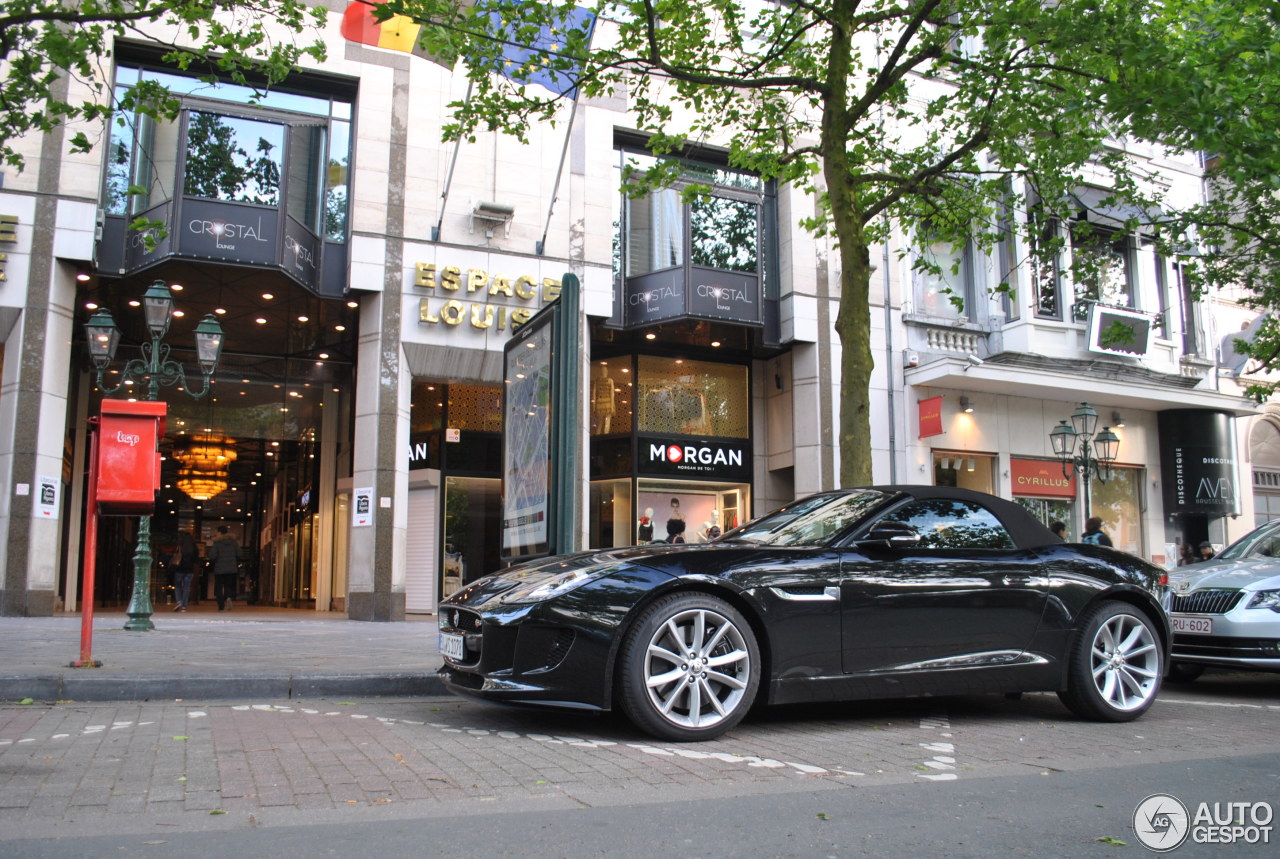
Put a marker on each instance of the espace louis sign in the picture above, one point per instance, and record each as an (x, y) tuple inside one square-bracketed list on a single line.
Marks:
[(694, 458)]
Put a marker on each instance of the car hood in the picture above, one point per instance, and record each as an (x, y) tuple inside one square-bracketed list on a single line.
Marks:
[(492, 585), (1255, 574)]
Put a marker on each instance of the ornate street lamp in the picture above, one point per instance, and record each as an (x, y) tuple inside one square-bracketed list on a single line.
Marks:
[(1097, 451), (158, 369)]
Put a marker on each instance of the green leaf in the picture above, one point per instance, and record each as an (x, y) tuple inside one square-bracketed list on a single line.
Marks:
[(1106, 839), (822, 815), (180, 738), (217, 811), (27, 701)]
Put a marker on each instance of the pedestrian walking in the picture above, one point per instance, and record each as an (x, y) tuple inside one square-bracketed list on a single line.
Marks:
[(1093, 533), (224, 558), (184, 569), (1059, 528), (1206, 551)]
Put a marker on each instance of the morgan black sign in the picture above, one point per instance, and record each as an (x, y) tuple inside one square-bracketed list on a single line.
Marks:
[(696, 458)]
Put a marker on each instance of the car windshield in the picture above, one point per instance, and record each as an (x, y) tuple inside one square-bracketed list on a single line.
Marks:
[(811, 521), (1261, 543)]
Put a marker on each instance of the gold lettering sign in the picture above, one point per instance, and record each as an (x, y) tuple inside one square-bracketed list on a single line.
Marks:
[(4, 264), (480, 285), (8, 228)]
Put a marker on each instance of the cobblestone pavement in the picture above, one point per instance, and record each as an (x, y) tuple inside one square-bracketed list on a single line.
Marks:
[(197, 765)]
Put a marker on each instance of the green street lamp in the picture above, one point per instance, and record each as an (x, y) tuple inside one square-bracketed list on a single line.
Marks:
[(1098, 450), (157, 369)]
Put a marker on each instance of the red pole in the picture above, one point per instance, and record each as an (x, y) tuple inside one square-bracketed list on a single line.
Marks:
[(86, 659)]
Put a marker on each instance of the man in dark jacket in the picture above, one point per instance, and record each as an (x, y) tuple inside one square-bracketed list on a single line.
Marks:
[(184, 570), (224, 557), (1093, 533)]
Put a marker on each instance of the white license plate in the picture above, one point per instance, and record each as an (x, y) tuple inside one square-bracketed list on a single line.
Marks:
[(453, 646), (1191, 625)]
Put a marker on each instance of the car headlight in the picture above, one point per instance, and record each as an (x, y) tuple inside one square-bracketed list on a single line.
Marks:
[(1266, 599), (545, 584)]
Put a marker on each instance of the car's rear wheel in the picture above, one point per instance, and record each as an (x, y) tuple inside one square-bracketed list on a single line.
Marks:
[(1115, 665), (1184, 672), (689, 668)]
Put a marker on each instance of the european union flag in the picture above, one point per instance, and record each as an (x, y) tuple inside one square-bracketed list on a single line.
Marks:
[(525, 61)]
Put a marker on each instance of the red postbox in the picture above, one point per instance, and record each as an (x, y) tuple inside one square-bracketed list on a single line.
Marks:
[(129, 457)]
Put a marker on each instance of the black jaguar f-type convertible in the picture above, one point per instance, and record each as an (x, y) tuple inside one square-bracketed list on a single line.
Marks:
[(881, 592)]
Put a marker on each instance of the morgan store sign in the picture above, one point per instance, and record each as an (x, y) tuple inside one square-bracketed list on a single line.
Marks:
[(713, 460)]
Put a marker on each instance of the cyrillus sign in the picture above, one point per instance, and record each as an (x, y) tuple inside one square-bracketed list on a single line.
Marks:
[(480, 291), (1041, 477), (721, 460)]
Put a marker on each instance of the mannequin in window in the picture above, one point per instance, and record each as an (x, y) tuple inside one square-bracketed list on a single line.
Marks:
[(644, 528), (711, 528), (603, 391), (675, 523)]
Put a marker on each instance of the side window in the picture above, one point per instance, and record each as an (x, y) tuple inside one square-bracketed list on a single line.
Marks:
[(944, 524)]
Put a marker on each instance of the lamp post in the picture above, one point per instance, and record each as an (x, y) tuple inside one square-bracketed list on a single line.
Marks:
[(1097, 452), (157, 369)]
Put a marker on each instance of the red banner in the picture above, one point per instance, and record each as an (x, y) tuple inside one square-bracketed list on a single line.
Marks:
[(931, 416), (1041, 477)]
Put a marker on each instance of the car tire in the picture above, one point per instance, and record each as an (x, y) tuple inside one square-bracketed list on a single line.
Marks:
[(1184, 672), (1114, 668), (696, 691)]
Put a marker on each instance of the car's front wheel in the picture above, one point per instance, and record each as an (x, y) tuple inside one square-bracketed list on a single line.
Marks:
[(1115, 665), (689, 668)]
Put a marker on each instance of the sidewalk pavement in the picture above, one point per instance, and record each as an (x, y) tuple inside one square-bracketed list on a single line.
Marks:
[(207, 654)]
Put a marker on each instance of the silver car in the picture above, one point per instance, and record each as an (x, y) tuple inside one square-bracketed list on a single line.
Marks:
[(1226, 611)]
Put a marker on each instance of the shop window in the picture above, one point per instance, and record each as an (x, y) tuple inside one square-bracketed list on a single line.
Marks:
[(965, 470), (472, 532), (1193, 337), (240, 144), (944, 280), (612, 522), (688, 511), (612, 396), (718, 227), (1050, 510), (1101, 267), (1119, 503), (475, 408), (682, 397), (1045, 273), (233, 159)]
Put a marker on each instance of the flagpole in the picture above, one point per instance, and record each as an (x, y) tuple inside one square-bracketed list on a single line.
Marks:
[(541, 247), (448, 181)]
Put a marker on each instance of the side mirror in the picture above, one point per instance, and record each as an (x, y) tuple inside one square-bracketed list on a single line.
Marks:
[(894, 535)]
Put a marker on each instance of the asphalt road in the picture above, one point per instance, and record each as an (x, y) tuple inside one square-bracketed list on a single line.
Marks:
[(439, 777)]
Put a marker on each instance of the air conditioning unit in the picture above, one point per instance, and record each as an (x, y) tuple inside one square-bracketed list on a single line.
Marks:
[(492, 215)]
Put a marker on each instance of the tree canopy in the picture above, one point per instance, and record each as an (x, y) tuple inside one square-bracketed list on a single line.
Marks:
[(953, 119), (46, 44)]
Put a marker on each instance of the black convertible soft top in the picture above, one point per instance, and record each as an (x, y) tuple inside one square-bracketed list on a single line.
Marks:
[(1026, 530)]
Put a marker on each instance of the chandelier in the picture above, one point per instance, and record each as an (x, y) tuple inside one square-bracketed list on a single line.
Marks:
[(204, 458), (201, 485)]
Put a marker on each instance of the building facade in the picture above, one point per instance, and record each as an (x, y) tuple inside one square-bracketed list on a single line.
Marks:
[(368, 276)]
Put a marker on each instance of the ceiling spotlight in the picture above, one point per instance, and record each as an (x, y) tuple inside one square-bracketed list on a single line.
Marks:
[(966, 405), (1117, 421)]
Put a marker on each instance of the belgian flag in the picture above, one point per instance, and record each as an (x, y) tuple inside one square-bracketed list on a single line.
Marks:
[(397, 33)]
